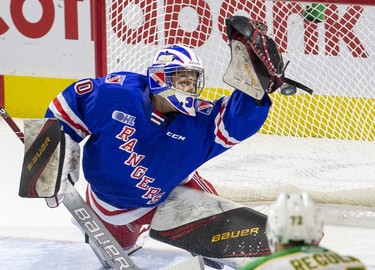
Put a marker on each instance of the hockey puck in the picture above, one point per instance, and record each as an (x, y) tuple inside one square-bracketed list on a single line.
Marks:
[(288, 90)]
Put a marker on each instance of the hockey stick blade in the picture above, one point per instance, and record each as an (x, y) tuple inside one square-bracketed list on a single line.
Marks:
[(195, 263)]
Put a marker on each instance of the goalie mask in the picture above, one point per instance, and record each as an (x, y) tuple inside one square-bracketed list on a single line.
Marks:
[(177, 75), (293, 217)]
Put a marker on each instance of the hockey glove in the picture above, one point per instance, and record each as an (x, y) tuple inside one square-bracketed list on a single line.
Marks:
[(257, 65), (51, 159)]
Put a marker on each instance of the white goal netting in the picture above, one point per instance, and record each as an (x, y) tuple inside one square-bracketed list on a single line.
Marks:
[(323, 143)]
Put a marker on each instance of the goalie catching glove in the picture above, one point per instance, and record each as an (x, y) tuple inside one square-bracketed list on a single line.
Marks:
[(257, 65)]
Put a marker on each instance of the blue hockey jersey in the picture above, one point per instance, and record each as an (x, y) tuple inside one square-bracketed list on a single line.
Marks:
[(134, 156)]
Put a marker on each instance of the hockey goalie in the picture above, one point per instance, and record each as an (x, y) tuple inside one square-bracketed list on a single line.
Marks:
[(146, 135)]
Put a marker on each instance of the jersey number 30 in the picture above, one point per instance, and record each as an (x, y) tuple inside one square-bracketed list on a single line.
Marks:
[(83, 87)]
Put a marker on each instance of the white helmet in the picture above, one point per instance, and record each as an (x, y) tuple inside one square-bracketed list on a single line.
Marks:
[(168, 62), (293, 217)]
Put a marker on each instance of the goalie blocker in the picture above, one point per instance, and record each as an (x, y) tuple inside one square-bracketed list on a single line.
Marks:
[(50, 160), (256, 64), (43, 160)]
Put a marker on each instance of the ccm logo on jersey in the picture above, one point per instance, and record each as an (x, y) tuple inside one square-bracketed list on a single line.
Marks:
[(175, 136)]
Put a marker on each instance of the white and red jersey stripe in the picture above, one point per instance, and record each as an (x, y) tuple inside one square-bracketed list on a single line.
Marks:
[(61, 110), (222, 136), (198, 182), (111, 214)]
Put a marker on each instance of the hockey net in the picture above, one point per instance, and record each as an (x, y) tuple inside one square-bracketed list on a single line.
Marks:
[(323, 143)]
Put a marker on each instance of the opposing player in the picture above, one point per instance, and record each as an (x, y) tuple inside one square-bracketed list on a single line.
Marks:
[(294, 230)]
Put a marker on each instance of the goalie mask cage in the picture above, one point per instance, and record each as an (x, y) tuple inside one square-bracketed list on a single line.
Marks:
[(322, 143)]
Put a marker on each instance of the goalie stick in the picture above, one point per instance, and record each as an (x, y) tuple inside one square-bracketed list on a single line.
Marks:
[(112, 253), (11, 123)]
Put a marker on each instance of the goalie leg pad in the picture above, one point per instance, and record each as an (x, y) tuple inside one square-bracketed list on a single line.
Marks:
[(210, 226)]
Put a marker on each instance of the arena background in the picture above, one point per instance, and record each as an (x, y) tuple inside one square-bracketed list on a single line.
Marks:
[(45, 45)]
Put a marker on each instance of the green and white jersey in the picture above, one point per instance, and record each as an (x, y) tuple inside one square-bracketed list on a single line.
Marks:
[(305, 258)]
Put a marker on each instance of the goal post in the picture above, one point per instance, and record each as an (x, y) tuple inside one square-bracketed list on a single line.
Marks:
[(322, 143)]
